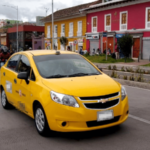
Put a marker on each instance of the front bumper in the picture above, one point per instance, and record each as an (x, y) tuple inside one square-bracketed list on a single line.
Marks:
[(69, 119)]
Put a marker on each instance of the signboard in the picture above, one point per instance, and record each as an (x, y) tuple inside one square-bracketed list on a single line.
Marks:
[(90, 37), (104, 34), (119, 35), (75, 42), (80, 40)]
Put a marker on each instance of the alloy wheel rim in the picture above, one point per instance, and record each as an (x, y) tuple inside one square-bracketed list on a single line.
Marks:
[(40, 119), (3, 98)]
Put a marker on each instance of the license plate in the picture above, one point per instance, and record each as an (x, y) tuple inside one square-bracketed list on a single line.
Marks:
[(105, 115)]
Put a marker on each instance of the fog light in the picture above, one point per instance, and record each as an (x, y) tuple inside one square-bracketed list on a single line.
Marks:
[(64, 124)]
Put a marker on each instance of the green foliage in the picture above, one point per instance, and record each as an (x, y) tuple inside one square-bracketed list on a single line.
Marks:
[(132, 78), (125, 43), (114, 67), (114, 74), (63, 41), (125, 77), (122, 68), (140, 78), (109, 67)]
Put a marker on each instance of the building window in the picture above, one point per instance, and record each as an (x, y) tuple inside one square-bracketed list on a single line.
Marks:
[(71, 29), (108, 22), (79, 32), (94, 24), (148, 18), (123, 21), (62, 29), (48, 32), (55, 31)]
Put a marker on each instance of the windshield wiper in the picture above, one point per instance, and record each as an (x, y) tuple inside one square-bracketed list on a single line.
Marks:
[(57, 76), (82, 74)]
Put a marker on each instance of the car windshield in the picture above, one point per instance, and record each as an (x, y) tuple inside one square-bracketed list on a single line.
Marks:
[(64, 65)]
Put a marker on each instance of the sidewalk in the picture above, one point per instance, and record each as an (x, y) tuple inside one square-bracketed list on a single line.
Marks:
[(121, 64)]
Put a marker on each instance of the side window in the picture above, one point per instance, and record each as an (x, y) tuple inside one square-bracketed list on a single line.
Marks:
[(32, 76), (12, 64), (24, 65)]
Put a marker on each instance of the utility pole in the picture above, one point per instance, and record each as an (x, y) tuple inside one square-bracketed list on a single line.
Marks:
[(52, 27)]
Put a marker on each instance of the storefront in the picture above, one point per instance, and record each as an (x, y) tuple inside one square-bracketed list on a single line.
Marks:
[(94, 42)]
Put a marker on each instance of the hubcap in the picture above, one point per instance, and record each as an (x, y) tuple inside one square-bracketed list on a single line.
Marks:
[(3, 98), (40, 119)]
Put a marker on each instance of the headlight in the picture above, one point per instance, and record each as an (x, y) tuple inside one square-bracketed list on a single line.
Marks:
[(64, 99), (123, 93)]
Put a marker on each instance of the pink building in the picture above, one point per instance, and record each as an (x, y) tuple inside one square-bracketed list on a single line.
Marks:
[(118, 17)]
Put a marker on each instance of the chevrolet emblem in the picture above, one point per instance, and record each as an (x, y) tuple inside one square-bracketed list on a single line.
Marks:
[(103, 101)]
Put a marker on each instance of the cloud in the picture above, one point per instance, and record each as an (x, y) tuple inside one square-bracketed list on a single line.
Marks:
[(29, 9)]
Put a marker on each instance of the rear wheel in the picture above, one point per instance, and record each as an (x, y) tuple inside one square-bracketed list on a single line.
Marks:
[(4, 101), (41, 121)]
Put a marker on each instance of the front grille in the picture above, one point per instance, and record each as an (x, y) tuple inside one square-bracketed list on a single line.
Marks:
[(100, 97), (95, 123), (102, 105)]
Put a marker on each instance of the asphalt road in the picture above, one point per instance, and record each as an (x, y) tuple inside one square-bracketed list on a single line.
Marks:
[(17, 131)]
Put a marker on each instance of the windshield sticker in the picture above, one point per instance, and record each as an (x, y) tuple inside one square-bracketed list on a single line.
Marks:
[(9, 86)]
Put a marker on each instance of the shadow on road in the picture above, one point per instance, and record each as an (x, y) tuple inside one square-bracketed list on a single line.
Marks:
[(89, 134)]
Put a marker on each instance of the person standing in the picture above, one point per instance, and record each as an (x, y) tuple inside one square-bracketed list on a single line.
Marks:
[(4, 56)]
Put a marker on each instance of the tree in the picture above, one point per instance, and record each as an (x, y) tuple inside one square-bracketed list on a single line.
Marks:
[(63, 41), (125, 44)]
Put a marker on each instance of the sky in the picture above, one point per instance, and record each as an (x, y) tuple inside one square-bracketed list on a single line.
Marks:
[(29, 9)]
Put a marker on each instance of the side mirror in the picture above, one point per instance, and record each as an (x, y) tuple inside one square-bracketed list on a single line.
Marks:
[(24, 76)]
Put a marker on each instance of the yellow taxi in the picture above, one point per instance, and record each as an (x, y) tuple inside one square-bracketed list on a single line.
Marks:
[(62, 91)]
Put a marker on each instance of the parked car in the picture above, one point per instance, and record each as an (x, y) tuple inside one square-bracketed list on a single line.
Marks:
[(62, 91)]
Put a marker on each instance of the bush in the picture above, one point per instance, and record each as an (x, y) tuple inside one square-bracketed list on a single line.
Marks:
[(125, 78), (114, 74), (140, 78), (122, 68), (113, 55), (114, 67), (109, 67), (132, 78)]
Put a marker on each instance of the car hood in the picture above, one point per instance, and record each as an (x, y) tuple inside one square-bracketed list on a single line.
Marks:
[(83, 86)]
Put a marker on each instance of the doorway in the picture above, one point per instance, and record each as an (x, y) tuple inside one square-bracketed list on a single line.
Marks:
[(136, 48)]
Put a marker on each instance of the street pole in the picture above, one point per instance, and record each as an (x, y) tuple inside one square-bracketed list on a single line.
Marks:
[(52, 27), (15, 7)]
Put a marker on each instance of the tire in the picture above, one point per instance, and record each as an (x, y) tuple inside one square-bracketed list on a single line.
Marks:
[(4, 101), (41, 122)]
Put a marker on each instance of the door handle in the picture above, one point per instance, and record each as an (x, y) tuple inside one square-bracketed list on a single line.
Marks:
[(4, 73), (15, 81)]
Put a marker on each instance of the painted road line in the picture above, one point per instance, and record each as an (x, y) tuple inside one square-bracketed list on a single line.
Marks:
[(139, 119)]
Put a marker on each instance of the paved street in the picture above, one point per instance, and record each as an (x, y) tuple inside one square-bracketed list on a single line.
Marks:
[(17, 131)]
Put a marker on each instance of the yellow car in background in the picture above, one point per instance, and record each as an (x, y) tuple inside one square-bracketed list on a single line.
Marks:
[(62, 91)]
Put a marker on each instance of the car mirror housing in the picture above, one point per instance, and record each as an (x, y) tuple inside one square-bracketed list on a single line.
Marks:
[(24, 76)]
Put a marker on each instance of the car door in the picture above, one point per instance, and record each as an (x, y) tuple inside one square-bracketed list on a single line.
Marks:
[(23, 96), (9, 76)]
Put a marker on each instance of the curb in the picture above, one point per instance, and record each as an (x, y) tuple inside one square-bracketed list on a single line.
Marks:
[(133, 83)]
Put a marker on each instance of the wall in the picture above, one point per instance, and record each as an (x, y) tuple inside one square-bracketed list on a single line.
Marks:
[(75, 26), (136, 17)]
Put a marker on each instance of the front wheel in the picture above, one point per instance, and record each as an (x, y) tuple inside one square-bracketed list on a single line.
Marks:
[(41, 121)]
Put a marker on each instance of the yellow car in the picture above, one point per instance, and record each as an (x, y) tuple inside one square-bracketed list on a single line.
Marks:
[(62, 91)]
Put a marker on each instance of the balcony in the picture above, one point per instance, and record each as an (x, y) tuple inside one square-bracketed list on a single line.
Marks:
[(62, 34), (55, 35), (148, 25), (94, 29), (123, 27), (70, 34), (108, 28), (79, 33)]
